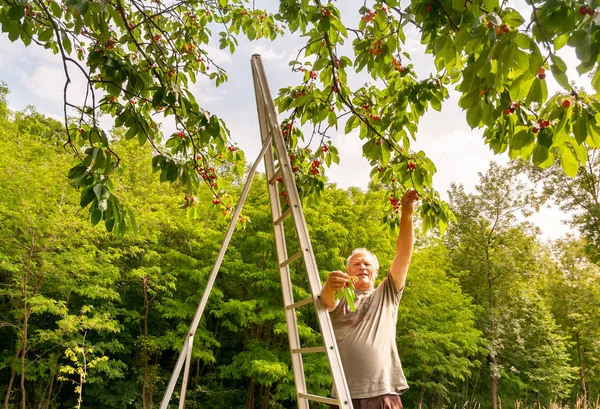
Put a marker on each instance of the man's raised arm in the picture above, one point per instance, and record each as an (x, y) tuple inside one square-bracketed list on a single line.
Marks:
[(404, 244)]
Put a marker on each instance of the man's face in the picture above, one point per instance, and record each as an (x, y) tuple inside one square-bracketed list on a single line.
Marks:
[(362, 266)]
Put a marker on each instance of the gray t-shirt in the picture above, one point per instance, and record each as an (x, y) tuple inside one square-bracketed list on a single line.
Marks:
[(367, 341)]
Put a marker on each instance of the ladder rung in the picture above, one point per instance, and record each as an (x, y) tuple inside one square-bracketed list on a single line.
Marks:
[(284, 216), (308, 350), (277, 174), (291, 259), (317, 398), (299, 303)]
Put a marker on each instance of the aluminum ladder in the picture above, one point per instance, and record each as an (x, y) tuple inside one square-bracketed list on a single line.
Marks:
[(277, 166)]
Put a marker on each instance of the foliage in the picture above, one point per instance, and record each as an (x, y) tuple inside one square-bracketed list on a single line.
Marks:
[(499, 263), (70, 289), (141, 60), (436, 331), (578, 196)]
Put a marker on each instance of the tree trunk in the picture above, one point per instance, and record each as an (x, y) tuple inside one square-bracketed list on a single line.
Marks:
[(251, 394), (51, 385), (422, 396), (145, 403), (492, 353), (266, 396), (23, 354), (581, 369), (12, 379)]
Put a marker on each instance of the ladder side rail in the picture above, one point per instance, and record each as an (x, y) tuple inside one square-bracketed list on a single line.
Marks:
[(279, 234), (211, 280), (186, 372), (337, 372)]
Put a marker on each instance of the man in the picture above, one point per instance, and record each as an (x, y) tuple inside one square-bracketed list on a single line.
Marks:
[(366, 338)]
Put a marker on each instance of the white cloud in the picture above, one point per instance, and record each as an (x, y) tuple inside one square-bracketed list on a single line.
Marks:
[(268, 54)]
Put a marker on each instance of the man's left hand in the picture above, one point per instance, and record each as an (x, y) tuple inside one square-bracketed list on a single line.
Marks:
[(410, 198)]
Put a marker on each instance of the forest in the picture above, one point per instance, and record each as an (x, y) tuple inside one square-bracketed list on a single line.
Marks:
[(89, 319)]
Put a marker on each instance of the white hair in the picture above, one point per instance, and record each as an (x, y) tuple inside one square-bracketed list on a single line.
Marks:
[(363, 250)]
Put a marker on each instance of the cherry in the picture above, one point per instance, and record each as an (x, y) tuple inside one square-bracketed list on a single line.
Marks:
[(566, 103), (583, 10), (542, 76), (428, 8), (507, 111), (325, 149), (534, 130)]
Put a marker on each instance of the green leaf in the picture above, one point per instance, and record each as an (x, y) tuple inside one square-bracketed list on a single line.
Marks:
[(101, 192), (540, 154), (596, 80), (46, 34), (568, 160), (580, 129), (87, 195), (560, 41), (385, 154), (16, 12), (82, 7), (158, 96), (535, 92), (521, 139), (95, 216), (474, 116)]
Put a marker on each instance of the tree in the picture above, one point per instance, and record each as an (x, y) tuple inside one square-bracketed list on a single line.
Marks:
[(500, 264), (50, 267), (437, 338), (573, 292), (138, 60), (578, 196)]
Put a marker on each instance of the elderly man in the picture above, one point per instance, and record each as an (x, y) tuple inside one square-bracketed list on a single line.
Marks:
[(366, 338)]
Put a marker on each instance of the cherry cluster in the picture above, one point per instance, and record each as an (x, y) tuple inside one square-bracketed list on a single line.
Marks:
[(587, 10), (396, 204), (191, 201), (542, 124), (511, 109), (208, 174)]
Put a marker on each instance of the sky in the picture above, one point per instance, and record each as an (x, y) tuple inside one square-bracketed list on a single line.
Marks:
[(35, 77)]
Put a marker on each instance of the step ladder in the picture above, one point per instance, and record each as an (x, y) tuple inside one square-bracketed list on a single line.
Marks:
[(277, 166)]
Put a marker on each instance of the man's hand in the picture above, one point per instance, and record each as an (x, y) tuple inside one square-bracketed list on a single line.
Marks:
[(410, 198), (335, 282), (404, 244)]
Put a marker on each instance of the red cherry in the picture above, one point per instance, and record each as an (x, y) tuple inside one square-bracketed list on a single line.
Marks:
[(541, 71), (542, 76), (566, 103), (507, 111), (325, 149), (583, 10), (428, 8), (534, 130)]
